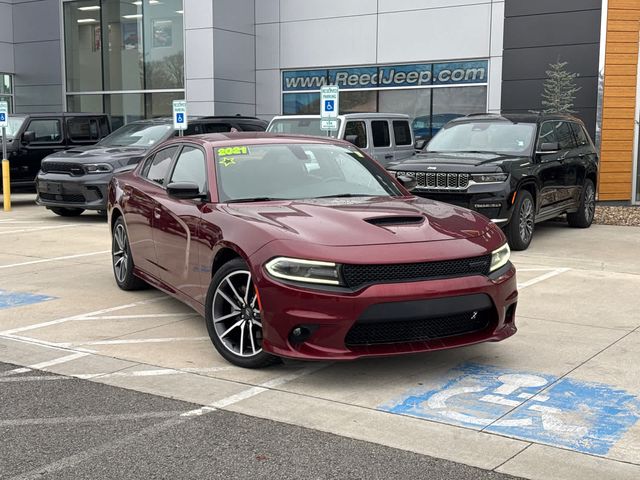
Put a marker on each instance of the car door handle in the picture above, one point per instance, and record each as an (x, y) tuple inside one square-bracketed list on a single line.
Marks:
[(156, 213), (388, 156)]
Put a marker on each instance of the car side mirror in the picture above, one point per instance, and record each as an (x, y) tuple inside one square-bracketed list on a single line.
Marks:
[(407, 182), (184, 190), (549, 147), (420, 144), (28, 137)]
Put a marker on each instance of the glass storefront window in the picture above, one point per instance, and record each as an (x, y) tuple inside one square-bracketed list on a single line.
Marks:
[(6, 89), (163, 44), (414, 102), (301, 104), (123, 53), (358, 102), (83, 45)]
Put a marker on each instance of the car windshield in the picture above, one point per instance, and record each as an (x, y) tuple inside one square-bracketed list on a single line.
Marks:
[(492, 137), (14, 125), (298, 171), (137, 135), (300, 126)]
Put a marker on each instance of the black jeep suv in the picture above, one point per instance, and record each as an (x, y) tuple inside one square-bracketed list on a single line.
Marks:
[(515, 169), (76, 180)]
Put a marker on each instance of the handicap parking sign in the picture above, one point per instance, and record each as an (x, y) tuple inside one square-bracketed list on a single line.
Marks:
[(329, 105), (564, 412), (180, 117), (3, 117)]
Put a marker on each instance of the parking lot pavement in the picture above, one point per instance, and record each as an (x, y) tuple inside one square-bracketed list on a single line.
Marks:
[(558, 400), (54, 426)]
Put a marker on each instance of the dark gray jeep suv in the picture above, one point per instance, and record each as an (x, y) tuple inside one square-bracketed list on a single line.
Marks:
[(76, 180)]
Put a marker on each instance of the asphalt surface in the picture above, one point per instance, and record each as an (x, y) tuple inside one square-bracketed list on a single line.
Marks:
[(65, 428)]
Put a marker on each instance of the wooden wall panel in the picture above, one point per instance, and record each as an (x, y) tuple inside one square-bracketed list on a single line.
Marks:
[(619, 103)]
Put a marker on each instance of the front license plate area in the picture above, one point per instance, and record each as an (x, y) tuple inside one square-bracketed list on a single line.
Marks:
[(51, 188)]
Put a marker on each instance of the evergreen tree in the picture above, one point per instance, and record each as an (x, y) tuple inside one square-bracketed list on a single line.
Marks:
[(559, 89)]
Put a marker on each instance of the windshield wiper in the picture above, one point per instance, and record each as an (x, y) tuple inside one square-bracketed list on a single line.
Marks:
[(254, 199)]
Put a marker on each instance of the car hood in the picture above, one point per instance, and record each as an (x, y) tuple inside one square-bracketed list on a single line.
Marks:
[(362, 221), (421, 161), (98, 154)]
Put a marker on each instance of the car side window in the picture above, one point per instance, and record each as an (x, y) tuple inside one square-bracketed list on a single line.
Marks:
[(565, 136), (157, 167), (402, 132), (358, 131), (380, 133), (580, 134), (216, 127), (46, 130), (248, 127), (547, 134), (83, 129), (104, 126), (191, 167)]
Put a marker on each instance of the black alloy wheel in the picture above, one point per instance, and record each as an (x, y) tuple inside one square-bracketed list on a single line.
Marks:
[(122, 260), (520, 229), (233, 317), (583, 218)]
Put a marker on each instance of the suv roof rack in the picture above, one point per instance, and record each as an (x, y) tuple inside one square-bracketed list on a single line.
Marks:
[(483, 114)]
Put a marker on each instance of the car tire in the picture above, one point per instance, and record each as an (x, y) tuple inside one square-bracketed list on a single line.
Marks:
[(583, 218), (67, 212), (520, 229), (122, 260), (233, 317)]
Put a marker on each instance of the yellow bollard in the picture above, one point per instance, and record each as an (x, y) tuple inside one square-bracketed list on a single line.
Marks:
[(6, 185)]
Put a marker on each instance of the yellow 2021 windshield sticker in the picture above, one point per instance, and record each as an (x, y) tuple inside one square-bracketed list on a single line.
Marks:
[(226, 151)]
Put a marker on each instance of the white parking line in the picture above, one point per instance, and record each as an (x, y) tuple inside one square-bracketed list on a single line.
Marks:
[(542, 278), (127, 341), (253, 391), (54, 259), (49, 363), (23, 422), (153, 373), (81, 316), (35, 229), (134, 317), (39, 378)]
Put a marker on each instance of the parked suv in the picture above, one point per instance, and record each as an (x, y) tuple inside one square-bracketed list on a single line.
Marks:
[(31, 137), (515, 169), (76, 180), (387, 137)]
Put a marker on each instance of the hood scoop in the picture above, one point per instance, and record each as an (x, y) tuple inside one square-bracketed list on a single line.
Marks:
[(395, 220)]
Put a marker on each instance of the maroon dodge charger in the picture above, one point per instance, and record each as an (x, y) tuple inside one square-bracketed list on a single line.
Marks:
[(306, 248)]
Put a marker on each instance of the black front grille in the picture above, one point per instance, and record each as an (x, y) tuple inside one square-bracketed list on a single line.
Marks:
[(439, 181), (359, 275), (404, 331), (74, 198), (60, 167)]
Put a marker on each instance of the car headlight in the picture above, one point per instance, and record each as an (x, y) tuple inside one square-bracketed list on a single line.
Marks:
[(489, 177), (500, 257), (98, 168), (308, 271)]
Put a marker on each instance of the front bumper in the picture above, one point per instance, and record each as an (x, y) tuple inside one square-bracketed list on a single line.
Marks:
[(329, 317), (88, 192)]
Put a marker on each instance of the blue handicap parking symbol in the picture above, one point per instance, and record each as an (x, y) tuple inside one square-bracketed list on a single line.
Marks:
[(329, 105), (3, 117), (564, 412), (16, 299), (180, 117)]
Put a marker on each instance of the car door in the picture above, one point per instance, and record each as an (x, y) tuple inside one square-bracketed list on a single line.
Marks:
[(381, 148), (585, 157), (48, 138), (568, 161), (402, 140), (176, 222), (550, 167), (141, 206)]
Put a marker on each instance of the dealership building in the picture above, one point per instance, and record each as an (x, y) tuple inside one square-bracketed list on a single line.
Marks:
[(431, 59)]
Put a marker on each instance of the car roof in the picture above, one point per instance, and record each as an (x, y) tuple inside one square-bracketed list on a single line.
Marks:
[(348, 116), (60, 114), (201, 119), (515, 117), (256, 138)]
